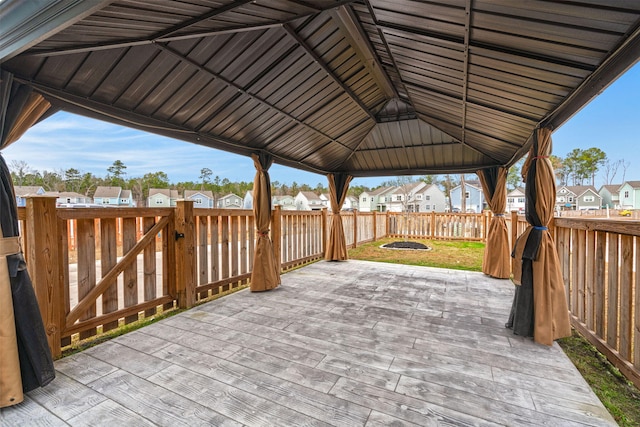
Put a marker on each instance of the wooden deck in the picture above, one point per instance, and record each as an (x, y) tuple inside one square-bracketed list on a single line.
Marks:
[(351, 343)]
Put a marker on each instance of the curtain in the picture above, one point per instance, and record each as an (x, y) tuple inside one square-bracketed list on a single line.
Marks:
[(265, 274), (337, 245), (496, 261), (25, 357), (539, 306)]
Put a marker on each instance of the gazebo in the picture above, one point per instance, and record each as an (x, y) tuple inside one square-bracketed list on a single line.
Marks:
[(342, 88)]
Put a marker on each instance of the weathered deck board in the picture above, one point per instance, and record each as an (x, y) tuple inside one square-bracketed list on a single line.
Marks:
[(345, 344)]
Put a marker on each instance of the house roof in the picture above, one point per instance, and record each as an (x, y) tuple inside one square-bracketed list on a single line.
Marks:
[(190, 193), (310, 195), (26, 190), (633, 184), (380, 190), (614, 188), (126, 194), (107, 192), (171, 194), (230, 196), (365, 87), (579, 190), (516, 192)]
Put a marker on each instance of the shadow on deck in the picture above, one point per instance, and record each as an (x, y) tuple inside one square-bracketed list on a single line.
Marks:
[(352, 343)]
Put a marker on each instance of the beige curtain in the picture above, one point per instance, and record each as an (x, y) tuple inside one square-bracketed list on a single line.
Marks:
[(336, 245), (540, 307), (25, 358), (265, 274), (496, 261)]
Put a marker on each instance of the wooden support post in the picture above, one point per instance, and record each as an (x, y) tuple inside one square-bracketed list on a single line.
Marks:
[(324, 230), (276, 235), (432, 225), (186, 280), (355, 228), (45, 266), (375, 226), (514, 228)]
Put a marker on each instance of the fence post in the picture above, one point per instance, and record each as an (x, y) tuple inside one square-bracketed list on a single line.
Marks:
[(375, 226), (44, 266), (186, 277), (355, 228), (514, 228), (276, 234), (324, 230), (432, 225)]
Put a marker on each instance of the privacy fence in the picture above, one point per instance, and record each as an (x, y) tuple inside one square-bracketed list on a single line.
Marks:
[(96, 269)]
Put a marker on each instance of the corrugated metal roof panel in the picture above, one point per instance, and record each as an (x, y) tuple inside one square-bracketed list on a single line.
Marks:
[(365, 87)]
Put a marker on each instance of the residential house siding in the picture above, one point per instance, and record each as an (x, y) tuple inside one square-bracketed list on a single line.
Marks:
[(200, 198), (474, 197), (162, 198), (630, 195), (610, 196), (230, 201), (24, 191), (516, 200)]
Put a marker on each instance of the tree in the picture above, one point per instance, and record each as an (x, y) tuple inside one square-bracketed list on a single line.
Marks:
[(560, 170), (610, 170), (205, 176), (514, 175), (592, 158), (19, 171), (72, 180), (116, 173)]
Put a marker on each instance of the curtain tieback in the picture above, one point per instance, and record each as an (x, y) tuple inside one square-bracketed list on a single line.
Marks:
[(541, 228), (498, 215), (541, 157), (10, 246), (263, 233)]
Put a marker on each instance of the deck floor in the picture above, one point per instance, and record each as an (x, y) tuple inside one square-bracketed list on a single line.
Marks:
[(351, 343)]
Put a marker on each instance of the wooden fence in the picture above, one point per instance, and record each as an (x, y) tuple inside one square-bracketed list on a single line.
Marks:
[(94, 269)]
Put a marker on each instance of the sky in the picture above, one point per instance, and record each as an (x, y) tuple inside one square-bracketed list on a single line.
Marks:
[(610, 122)]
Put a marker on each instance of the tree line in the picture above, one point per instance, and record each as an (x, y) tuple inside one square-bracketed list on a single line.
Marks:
[(578, 167)]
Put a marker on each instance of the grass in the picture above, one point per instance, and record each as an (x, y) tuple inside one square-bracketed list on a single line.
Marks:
[(619, 396), (444, 254)]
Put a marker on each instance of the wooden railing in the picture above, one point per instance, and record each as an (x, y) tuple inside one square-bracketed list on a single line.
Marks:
[(128, 263), (432, 225), (96, 269), (600, 260)]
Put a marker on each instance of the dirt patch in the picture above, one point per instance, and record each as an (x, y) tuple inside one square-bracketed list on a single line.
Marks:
[(406, 245)]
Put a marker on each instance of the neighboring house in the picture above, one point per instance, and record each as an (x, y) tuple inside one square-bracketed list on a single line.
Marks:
[(230, 201), (126, 199), (474, 198), (401, 199), (112, 196), (162, 198), (610, 196), (375, 200), (578, 197), (429, 198), (200, 198), (516, 200), (350, 203), (630, 195), (309, 201), (70, 198), (23, 191), (247, 202), (286, 202)]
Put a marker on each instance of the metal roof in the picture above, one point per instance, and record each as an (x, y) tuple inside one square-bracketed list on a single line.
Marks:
[(367, 87)]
